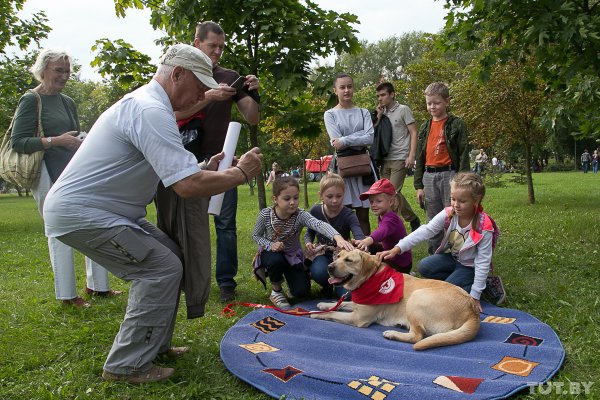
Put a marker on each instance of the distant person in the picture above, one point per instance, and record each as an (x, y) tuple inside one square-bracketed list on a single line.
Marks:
[(350, 130), (296, 172), (133, 145), (331, 210), (401, 154), (595, 161), (480, 162), (186, 220), (465, 254), (495, 164), (60, 124), (390, 229), (442, 150), (276, 172), (586, 159), (277, 233)]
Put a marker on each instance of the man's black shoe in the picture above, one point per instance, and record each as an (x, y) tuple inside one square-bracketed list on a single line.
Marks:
[(227, 294)]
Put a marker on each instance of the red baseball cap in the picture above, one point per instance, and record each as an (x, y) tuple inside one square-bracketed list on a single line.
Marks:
[(381, 186)]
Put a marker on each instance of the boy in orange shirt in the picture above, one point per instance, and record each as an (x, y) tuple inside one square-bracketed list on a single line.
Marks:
[(442, 150)]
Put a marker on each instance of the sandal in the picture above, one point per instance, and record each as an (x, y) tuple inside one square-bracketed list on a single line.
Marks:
[(77, 302), (107, 293)]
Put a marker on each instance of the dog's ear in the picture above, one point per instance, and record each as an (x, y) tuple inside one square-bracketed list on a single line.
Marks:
[(369, 259)]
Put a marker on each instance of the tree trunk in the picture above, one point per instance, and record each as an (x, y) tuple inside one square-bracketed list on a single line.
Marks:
[(530, 193), (305, 188), (260, 180)]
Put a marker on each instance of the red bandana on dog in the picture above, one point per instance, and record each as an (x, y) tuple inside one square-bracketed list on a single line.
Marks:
[(385, 287)]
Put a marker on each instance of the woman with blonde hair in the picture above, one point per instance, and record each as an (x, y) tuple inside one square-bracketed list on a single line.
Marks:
[(60, 124)]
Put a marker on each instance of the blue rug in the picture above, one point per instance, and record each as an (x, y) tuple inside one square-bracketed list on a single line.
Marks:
[(300, 357)]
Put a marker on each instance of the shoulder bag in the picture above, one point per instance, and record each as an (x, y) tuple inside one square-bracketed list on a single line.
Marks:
[(353, 163), (19, 168)]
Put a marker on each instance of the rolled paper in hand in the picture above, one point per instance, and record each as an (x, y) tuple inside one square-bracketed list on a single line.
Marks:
[(233, 133)]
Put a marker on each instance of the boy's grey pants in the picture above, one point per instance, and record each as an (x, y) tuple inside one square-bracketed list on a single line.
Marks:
[(437, 197), (152, 262)]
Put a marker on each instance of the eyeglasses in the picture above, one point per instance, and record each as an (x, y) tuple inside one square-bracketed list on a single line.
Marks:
[(62, 71)]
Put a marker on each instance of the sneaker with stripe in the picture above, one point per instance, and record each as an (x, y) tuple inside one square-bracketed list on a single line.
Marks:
[(279, 299)]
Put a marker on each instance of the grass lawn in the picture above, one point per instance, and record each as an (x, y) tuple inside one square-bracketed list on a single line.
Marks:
[(547, 256)]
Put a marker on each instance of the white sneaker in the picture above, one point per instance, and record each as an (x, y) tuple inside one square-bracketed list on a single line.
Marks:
[(279, 299)]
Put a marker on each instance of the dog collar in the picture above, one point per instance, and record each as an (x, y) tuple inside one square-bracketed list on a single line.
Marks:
[(385, 287)]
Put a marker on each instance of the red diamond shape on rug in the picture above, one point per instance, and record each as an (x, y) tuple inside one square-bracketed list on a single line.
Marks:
[(283, 374), (459, 383)]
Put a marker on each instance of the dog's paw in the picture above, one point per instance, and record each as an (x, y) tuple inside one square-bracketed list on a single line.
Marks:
[(391, 335), (323, 306)]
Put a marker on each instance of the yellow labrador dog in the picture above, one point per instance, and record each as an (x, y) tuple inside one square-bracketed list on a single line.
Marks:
[(436, 313)]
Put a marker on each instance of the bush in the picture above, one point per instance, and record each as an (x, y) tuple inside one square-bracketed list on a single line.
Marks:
[(559, 167)]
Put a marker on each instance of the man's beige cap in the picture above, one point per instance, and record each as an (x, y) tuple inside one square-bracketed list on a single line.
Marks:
[(192, 59)]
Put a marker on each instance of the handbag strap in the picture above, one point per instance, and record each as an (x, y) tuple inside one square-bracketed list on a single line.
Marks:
[(40, 127)]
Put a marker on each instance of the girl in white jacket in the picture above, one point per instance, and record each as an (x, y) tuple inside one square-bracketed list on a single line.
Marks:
[(465, 254)]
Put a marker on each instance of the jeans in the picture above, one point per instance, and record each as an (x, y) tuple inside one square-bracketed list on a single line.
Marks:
[(585, 165), (225, 226), (444, 267), (226, 230), (277, 268), (318, 272), (595, 167)]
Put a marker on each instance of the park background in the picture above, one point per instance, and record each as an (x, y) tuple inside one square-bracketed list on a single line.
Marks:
[(523, 75)]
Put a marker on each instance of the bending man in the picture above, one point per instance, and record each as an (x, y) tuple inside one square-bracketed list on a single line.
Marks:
[(98, 205)]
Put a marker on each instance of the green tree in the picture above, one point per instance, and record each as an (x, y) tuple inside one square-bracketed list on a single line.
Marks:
[(562, 36), (15, 79), (19, 31), (301, 129), (500, 113), (92, 98), (384, 60), (274, 39), (121, 63)]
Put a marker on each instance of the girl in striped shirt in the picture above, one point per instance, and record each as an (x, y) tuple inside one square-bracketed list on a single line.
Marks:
[(277, 232)]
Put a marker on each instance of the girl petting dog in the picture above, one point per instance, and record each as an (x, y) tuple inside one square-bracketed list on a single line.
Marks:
[(465, 254), (390, 228), (341, 218), (277, 232)]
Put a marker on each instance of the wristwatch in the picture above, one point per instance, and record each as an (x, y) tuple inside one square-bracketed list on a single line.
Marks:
[(49, 140)]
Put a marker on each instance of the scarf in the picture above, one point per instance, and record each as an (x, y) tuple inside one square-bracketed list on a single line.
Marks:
[(385, 287)]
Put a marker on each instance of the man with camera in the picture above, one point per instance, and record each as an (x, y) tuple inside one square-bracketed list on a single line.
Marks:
[(204, 127)]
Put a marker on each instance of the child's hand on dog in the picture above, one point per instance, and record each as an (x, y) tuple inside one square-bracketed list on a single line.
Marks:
[(478, 304), (387, 254), (363, 244), (342, 243)]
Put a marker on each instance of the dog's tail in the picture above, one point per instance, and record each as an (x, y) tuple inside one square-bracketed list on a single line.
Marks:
[(464, 333)]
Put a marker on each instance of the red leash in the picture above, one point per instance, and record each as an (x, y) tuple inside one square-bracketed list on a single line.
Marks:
[(230, 312)]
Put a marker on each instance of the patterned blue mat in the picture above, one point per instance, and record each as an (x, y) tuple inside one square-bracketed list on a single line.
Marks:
[(299, 357)]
